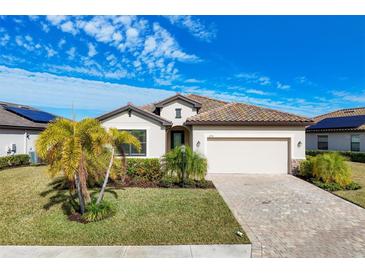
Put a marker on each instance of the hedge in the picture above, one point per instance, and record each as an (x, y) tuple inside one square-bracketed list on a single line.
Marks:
[(14, 160), (144, 169), (350, 155)]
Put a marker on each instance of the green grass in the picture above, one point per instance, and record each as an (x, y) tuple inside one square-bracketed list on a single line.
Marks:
[(358, 175), (31, 214)]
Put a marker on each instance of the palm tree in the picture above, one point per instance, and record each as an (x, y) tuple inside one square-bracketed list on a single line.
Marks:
[(69, 146), (184, 163), (116, 140)]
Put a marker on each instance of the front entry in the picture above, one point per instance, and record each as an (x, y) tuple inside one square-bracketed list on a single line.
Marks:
[(177, 138)]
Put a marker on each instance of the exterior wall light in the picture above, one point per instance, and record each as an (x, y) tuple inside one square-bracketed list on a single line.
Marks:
[(299, 144), (198, 144)]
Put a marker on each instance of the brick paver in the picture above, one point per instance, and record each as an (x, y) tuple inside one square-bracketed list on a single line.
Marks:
[(285, 216)]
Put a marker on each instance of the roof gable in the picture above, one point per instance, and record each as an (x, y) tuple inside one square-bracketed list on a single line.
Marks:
[(176, 97), (142, 112)]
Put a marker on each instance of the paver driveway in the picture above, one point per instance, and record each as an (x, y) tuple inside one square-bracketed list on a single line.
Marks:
[(287, 217)]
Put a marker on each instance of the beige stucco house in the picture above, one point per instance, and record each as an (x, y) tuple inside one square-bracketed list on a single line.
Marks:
[(341, 130), (235, 137)]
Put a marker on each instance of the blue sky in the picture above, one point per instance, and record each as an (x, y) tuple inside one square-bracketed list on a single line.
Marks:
[(92, 64)]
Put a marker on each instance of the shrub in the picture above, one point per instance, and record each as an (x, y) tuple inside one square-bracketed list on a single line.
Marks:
[(306, 167), (138, 182), (329, 187), (335, 187), (353, 186), (96, 212), (168, 181), (331, 168), (191, 164), (204, 184), (145, 169), (350, 155), (14, 160)]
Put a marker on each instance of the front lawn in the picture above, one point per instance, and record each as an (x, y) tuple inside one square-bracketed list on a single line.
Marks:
[(31, 213), (358, 175)]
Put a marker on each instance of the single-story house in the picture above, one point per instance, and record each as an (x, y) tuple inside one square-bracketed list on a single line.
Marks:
[(235, 137), (341, 130), (20, 126)]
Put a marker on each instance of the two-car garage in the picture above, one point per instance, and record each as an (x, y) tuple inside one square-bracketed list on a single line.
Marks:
[(248, 155)]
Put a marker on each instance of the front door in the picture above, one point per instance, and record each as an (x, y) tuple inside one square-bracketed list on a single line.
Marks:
[(177, 138)]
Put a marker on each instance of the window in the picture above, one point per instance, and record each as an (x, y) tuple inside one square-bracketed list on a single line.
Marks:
[(323, 142), (178, 112), (355, 142), (130, 150)]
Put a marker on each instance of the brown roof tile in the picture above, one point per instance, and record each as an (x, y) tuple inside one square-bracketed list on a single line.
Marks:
[(241, 114), (206, 102)]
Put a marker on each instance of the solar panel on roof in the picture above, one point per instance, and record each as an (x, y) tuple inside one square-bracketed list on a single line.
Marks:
[(340, 122), (33, 115)]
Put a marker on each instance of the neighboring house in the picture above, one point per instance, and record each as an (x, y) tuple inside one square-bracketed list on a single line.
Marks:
[(235, 137), (341, 130), (19, 128)]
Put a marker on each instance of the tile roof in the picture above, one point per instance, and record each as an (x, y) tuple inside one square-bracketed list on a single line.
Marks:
[(244, 114), (12, 120), (206, 102)]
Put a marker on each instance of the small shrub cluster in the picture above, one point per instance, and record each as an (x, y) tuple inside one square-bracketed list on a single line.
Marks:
[(173, 181), (350, 155), (336, 187), (328, 171), (141, 172), (148, 170), (14, 161), (137, 182), (97, 212)]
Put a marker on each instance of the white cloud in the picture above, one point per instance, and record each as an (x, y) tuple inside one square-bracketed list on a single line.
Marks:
[(194, 26), (56, 19), (145, 47), (45, 27), (304, 80), (264, 80), (4, 39), (61, 43), (132, 33), (193, 80), (71, 53), (254, 78), (282, 86), (256, 91), (92, 50), (356, 97), (68, 27), (50, 51), (48, 90)]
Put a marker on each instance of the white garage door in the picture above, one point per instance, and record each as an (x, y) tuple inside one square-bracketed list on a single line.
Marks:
[(247, 155)]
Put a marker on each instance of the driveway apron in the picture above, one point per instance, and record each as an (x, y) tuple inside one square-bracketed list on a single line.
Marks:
[(285, 216)]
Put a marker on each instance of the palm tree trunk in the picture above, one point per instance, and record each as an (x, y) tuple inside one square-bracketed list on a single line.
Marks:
[(101, 194), (83, 180), (81, 198), (124, 165)]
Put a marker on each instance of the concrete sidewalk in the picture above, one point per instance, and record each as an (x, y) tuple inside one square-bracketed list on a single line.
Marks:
[(160, 251)]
